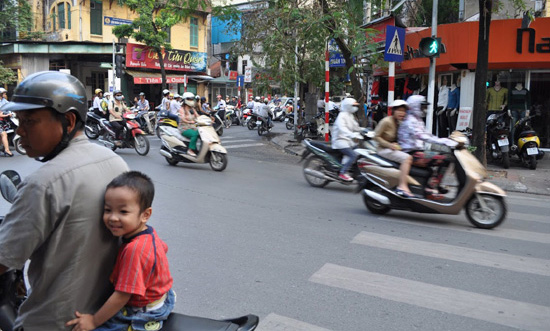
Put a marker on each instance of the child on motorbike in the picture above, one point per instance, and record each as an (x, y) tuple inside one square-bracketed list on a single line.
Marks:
[(143, 297)]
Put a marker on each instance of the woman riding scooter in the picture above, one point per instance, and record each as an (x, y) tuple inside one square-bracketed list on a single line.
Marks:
[(187, 122), (412, 135), (345, 130)]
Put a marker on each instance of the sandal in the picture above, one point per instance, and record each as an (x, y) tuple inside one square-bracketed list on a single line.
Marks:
[(403, 194)]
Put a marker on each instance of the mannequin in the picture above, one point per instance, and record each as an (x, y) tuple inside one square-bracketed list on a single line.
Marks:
[(453, 106), (497, 98), (442, 102), (519, 101)]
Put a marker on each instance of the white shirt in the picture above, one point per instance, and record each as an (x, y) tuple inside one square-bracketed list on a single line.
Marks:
[(174, 107), (345, 129), (443, 97), (221, 104)]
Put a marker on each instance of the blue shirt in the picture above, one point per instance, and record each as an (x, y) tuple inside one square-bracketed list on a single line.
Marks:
[(454, 99)]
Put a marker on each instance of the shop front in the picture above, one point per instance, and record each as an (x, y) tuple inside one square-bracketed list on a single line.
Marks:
[(519, 61)]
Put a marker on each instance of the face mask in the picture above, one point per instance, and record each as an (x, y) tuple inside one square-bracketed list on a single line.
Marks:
[(354, 109), (118, 97)]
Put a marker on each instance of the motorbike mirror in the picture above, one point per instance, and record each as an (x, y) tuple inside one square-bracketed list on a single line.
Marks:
[(9, 180)]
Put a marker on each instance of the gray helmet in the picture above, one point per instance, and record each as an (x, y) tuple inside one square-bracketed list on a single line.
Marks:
[(3, 90), (53, 89)]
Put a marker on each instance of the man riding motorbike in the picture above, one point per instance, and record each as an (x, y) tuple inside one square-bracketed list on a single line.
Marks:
[(345, 131), (412, 135)]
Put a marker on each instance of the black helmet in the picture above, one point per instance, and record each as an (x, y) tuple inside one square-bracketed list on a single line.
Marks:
[(53, 89), (203, 99)]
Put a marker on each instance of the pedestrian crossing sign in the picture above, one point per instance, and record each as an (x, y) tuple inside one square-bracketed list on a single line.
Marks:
[(395, 44)]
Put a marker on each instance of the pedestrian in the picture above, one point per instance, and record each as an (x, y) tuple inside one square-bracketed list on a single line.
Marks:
[(54, 220), (143, 296)]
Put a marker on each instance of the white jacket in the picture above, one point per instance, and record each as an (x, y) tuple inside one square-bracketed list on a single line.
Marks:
[(345, 129)]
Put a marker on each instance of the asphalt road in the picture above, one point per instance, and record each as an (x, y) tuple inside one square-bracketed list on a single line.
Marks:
[(256, 238)]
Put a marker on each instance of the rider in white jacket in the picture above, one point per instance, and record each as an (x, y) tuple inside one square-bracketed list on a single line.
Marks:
[(345, 130)]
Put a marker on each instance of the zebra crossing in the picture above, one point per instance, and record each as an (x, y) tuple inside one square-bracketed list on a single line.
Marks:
[(230, 142), (521, 313)]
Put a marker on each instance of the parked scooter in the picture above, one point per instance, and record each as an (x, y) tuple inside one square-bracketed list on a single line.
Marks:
[(315, 128), (497, 145), (289, 121), (483, 201), (174, 145), (528, 143), (13, 290), (132, 136)]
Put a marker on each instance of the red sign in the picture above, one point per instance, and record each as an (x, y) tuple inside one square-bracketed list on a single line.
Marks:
[(233, 75), (158, 80), (141, 56)]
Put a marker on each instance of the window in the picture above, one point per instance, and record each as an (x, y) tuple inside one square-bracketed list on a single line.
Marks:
[(68, 16), (54, 19), (168, 30), (61, 15), (194, 37), (96, 17)]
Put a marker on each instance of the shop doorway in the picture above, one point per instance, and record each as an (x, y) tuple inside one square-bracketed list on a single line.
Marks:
[(540, 101)]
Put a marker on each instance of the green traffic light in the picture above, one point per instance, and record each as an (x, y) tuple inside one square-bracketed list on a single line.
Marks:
[(433, 47)]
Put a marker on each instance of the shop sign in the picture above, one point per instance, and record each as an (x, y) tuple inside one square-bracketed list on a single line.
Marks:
[(158, 80), (248, 75), (233, 75), (108, 20), (141, 56), (541, 48), (464, 116)]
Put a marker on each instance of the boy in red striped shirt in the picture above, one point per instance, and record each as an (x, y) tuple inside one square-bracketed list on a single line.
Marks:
[(143, 297)]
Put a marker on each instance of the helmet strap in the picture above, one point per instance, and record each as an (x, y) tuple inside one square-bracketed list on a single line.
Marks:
[(65, 140)]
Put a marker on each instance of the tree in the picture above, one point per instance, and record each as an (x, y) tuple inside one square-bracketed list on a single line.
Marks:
[(16, 21), (155, 18), (7, 76)]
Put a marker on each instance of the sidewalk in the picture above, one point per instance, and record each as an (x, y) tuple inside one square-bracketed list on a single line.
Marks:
[(515, 179)]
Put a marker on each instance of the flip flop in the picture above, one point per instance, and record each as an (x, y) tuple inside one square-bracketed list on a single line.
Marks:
[(403, 194)]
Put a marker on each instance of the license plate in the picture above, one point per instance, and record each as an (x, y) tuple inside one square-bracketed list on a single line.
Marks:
[(532, 151), (503, 142), (258, 122), (286, 119)]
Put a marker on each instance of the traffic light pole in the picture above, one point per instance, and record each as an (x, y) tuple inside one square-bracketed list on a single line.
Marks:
[(431, 76), (113, 69)]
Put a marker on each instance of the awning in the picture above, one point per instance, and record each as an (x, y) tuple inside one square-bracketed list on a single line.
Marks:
[(145, 77)]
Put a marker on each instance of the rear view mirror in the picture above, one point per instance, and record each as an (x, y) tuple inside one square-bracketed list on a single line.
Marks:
[(9, 180)]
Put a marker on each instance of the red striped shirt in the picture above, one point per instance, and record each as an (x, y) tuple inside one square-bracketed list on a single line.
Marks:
[(141, 272)]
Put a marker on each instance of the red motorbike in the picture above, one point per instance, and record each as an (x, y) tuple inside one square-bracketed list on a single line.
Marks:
[(132, 135)]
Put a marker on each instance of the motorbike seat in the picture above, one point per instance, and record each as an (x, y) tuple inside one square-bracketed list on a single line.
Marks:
[(415, 171), (178, 322), (529, 133), (325, 147)]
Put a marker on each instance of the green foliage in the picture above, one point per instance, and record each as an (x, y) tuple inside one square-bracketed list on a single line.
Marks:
[(7, 76), (447, 12), (17, 15)]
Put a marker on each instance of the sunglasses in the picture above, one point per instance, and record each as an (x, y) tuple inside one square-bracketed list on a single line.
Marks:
[(192, 99)]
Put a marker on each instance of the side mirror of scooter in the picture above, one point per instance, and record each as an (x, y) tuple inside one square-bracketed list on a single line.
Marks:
[(9, 180)]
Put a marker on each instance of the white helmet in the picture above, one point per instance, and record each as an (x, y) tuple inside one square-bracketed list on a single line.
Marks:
[(3, 90), (177, 96), (349, 105), (189, 99), (257, 99), (165, 92), (399, 103)]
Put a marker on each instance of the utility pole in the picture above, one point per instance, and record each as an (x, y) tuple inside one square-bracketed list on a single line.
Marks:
[(431, 76)]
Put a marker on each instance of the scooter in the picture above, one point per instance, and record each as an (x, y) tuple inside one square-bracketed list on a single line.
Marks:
[(174, 145), (323, 163), (483, 201), (146, 120), (219, 121), (12, 287), (263, 126), (132, 136), (498, 146), (528, 143), (93, 127), (13, 137)]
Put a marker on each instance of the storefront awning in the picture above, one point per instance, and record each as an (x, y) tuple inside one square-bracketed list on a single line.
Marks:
[(144, 77)]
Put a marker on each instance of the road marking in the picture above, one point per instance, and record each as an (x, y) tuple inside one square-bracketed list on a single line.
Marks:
[(516, 314), (274, 322), (529, 217), (455, 253), (243, 145), (237, 141), (538, 237), (528, 202)]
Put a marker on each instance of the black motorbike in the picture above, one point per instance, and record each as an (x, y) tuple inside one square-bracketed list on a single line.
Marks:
[(13, 291), (313, 128), (264, 126), (289, 121), (251, 121), (93, 127), (498, 145)]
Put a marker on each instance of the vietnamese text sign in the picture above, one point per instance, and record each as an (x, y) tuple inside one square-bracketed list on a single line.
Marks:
[(395, 44), (248, 75), (158, 80), (107, 20), (464, 116), (141, 56)]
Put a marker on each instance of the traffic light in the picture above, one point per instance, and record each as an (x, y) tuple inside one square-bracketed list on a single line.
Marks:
[(120, 64), (430, 46)]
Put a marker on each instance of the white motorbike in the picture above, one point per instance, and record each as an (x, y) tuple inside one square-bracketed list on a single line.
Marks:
[(13, 124), (175, 146)]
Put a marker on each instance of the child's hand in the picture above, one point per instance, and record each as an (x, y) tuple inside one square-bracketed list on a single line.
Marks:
[(83, 322)]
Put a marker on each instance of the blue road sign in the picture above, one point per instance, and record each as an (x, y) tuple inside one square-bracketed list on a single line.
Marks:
[(240, 81), (395, 44)]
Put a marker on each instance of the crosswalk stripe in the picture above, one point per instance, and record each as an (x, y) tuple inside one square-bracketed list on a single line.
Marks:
[(528, 202), (516, 314), (539, 237), (529, 217), (455, 253), (274, 322), (243, 145), (236, 141)]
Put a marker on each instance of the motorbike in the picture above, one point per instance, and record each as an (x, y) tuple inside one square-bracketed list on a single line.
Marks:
[(484, 202), (14, 292), (289, 121), (251, 121), (174, 145), (263, 126), (246, 114), (132, 135), (528, 143), (231, 117), (315, 128), (10, 126), (323, 163), (219, 121), (279, 113), (498, 146), (146, 120), (93, 127)]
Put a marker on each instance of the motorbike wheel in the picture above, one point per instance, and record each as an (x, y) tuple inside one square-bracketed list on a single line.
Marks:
[(220, 131), (289, 125), (218, 161), (506, 160), (533, 162), (91, 130), (170, 161), (315, 163), (374, 206), (227, 123), (18, 147), (250, 124), (141, 144), (261, 130), (486, 219)]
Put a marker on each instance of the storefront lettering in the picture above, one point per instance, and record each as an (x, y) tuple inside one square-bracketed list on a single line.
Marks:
[(543, 47)]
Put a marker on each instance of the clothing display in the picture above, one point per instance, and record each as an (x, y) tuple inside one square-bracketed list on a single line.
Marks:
[(497, 97)]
